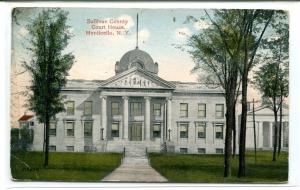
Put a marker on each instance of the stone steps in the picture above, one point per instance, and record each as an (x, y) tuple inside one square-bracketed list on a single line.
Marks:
[(135, 150), (135, 160)]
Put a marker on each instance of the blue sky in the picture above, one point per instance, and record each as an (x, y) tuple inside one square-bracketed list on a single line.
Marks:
[(95, 56), (159, 31)]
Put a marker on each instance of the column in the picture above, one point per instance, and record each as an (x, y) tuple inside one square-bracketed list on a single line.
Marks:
[(161, 132), (169, 116), (259, 134), (125, 117), (147, 118), (104, 117), (271, 133)]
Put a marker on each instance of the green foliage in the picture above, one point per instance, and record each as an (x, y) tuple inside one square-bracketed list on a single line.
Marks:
[(63, 166), (14, 139), (26, 139), (272, 77), (21, 139), (49, 66), (208, 168)]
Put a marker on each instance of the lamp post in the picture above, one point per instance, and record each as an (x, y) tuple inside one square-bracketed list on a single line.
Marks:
[(169, 130), (102, 133)]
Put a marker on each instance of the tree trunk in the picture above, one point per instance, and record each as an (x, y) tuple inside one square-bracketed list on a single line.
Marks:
[(275, 138), (228, 137), (254, 131), (46, 154), (242, 145), (234, 134), (280, 127)]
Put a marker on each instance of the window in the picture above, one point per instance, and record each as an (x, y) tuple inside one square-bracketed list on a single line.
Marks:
[(70, 148), (31, 123), (156, 130), (52, 148), (88, 110), (219, 110), (24, 125), (219, 150), (201, 130), (157, 109), (219, 131), (115, 108), (201, 110), (135, 108), (115, 129), (184, 130), (201, 150), (70, 129), (88, 129), (183, 110), (183, 150), (70, 107), (52, 131)]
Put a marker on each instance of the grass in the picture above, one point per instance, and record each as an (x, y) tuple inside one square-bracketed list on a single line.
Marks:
[(209, 168), (63, 166)]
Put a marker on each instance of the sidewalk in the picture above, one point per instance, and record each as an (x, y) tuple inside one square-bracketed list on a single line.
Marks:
[(134, 169)]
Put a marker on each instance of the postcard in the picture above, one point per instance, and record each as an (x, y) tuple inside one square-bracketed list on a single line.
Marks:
[(150, 95)]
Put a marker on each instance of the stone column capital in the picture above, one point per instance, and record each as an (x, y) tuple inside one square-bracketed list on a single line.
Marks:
[(103, 97), (169, 98), (125, 97), (147, 98)]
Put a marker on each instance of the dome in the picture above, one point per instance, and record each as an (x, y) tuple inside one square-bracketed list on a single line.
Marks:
[(136, 58)]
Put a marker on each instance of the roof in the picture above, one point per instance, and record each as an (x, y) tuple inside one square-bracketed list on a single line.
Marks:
[(265, 110), (186, 87), (137, 74), (136, 58), (25, 117), (195, 87)]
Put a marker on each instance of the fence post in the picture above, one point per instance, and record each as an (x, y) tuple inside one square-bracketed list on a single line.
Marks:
[(124, 152)]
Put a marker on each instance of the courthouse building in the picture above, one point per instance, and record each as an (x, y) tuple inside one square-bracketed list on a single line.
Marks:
[(139, 111)]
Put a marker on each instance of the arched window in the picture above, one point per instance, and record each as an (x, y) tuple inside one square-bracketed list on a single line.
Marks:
[(137, 64)]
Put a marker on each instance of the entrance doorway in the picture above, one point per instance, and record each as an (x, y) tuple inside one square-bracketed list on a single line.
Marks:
[(136, 131)]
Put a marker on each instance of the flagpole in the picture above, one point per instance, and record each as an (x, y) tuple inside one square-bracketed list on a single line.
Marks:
[(137, 31)]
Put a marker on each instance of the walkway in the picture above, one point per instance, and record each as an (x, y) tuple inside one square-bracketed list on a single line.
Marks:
[(134, 169)]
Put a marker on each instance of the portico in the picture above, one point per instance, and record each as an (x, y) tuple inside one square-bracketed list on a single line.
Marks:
[(134, 117)]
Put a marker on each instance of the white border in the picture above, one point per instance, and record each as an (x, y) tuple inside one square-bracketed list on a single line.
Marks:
[(5, 39)]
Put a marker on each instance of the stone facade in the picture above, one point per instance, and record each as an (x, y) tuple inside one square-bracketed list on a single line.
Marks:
[(139, 112), (264, 129)]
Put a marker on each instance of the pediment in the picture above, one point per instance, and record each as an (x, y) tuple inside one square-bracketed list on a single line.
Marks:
[(268, 111), (137, 78)]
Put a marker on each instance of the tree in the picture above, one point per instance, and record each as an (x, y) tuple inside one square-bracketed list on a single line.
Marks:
[(254, 25), (215, 52), (26, 137), (48, 67), (241, 33), (272, 77)]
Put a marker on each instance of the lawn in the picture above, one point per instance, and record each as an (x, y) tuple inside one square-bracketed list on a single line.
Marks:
[(209, 168), (63, 166)]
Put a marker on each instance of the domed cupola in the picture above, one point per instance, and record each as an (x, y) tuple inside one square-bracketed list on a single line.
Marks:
[(136, 58)]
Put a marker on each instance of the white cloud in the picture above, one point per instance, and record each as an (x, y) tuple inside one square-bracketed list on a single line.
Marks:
[(201, 24), (144, 35), (129, 19), (182, 33)]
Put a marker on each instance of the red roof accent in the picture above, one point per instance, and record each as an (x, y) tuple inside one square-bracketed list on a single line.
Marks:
[(25, 117)]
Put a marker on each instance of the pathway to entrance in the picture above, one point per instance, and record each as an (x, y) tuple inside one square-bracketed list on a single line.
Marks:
[(134, 169)]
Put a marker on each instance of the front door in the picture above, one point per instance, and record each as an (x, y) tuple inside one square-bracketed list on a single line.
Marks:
[(136, 131)]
